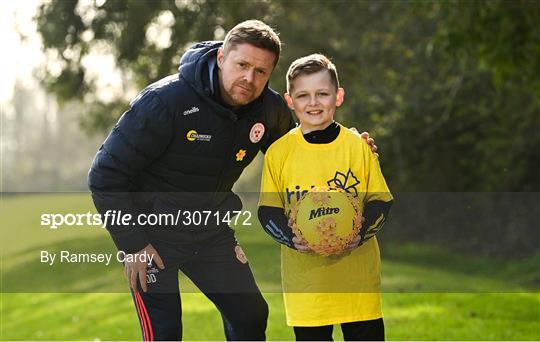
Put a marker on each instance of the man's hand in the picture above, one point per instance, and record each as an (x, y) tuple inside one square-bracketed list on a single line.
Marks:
[(370, 141), (301, 245), (137, 269)]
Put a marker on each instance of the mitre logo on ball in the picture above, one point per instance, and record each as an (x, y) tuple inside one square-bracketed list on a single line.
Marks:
[(322, 211), (327, 218)]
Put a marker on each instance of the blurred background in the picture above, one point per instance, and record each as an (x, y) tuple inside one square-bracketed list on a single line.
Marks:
[(450, 90)]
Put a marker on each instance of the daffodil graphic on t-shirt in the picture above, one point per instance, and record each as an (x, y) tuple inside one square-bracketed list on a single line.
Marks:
[(346, 182)]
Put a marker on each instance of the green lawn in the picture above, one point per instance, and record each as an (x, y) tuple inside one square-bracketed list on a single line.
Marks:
[(429, 293)]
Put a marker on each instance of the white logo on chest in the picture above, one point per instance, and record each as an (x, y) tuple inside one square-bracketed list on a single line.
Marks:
[(191, 111)]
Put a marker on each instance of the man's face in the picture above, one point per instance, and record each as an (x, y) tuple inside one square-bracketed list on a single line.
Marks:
[(314, 99), (243, 73)]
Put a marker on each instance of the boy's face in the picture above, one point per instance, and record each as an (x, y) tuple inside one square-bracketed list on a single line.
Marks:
[(314, 99)]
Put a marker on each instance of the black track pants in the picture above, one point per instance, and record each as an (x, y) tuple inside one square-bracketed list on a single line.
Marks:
[(217, 266), (355, 331)]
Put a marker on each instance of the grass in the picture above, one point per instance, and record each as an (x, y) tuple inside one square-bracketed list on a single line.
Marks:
[(429, 293)]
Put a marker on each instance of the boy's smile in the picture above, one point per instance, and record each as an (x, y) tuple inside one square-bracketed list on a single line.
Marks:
[(314, 99)]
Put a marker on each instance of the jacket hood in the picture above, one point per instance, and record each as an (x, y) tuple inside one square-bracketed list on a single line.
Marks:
[(198, 62), (197, 67)]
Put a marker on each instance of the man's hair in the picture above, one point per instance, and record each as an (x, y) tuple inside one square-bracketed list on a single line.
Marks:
[(256, 33), (310, 65)]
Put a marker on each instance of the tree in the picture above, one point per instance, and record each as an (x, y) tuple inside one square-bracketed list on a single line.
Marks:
[(442, 85)]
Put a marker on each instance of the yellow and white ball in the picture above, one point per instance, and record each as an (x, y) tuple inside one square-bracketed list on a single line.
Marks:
[(327, 219)]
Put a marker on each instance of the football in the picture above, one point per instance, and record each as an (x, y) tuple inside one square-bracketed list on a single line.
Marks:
[(327, 219)]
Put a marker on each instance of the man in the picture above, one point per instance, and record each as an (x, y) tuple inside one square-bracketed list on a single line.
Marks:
[(180, 147)]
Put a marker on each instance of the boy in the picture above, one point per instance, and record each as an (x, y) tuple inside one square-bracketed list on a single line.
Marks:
[(321, 291)]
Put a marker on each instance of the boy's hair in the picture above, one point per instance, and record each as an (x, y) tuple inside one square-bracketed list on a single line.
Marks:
[(309, 65), (256, 33)]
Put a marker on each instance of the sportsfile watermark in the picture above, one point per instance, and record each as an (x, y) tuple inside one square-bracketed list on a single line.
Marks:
[(431, 243), (119, 218)]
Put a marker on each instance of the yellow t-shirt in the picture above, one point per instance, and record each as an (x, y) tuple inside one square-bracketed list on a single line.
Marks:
[(322, 290)]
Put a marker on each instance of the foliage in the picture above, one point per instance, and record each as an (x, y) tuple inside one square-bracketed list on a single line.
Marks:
[(450, 89)]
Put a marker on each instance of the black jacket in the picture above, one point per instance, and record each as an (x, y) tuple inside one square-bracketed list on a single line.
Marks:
[(176, 147)]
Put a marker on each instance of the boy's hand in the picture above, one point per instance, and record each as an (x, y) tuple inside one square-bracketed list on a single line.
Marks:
[(356, 241), (352, 245), (370, 141), (301, 245)]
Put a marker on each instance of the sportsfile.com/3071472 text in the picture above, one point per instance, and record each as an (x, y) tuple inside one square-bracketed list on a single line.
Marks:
[(118, 218)]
